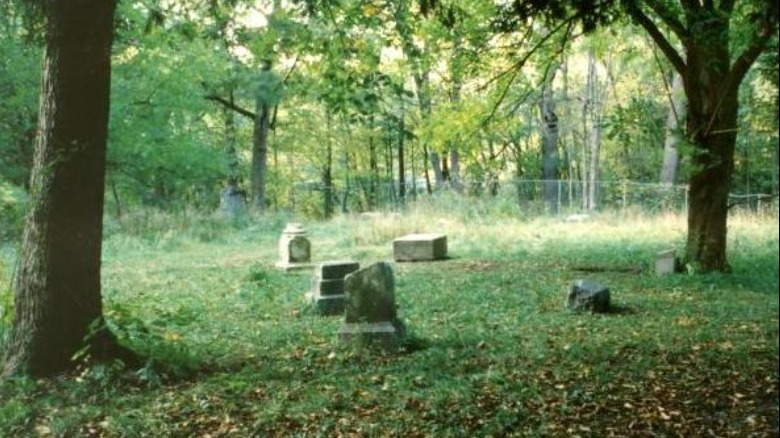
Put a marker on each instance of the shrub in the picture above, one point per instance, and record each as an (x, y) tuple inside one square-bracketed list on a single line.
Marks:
[(12, 208)]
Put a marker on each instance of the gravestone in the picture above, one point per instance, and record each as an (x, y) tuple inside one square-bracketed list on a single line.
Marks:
[(665, 262), (370, 317), (419, 247), (328, 290), (588, 295), (294, 248)]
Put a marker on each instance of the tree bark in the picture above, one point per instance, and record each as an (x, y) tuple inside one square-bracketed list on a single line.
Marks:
[(263, 105), (712, 125), (592, 118), (57, 300)]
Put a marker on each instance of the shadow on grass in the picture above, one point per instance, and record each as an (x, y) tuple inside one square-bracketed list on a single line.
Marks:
[(621, 310)]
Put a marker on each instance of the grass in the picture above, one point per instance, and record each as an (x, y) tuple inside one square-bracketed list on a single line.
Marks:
[(237, 351)]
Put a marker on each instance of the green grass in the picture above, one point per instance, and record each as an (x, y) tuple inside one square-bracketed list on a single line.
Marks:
[(237, 351)]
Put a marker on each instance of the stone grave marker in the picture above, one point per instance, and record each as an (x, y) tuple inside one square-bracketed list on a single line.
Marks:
[(294, 248), (665, 262), (328, 291), (588, 295), (419, 247), (370, 315)]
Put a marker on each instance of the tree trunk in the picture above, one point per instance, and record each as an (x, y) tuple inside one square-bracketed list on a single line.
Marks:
[(422, 83), (676, 114), (550, 175), (454, 173), (260, 148), (232, 199), (593, 117), (712, 124), (401, 160), (438, 169), (57, 301), (373, 166), (327, 173)]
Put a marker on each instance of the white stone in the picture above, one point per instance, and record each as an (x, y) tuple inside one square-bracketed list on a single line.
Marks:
[(419, 247)]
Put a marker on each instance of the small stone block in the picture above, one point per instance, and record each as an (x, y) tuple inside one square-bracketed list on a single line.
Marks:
[(381, 334), (337, 270), (326, 288), (665, 262), (588, 295), (330, 305), (419, 247)]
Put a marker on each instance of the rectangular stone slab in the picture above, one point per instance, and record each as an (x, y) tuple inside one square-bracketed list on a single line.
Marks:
[(337, 270), (420, 247)]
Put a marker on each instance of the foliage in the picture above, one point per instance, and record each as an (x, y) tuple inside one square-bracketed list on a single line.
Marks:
[(19, 97), (494, 352), (12, 211)]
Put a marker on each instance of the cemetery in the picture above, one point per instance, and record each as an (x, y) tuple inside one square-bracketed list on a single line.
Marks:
[(411, 218)]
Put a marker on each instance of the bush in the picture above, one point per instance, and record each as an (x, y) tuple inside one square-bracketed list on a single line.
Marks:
[(12, 208)]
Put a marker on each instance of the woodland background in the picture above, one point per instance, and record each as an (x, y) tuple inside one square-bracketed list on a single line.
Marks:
[(364, 106)]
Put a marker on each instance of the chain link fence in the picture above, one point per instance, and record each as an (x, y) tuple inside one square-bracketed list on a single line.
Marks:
[(527, 197)]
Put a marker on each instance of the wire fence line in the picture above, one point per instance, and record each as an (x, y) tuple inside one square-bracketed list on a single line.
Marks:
[(527, 196)]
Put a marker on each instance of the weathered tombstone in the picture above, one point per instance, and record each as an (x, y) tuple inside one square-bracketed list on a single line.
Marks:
[(665, 262), (328, 292), (418, 247), (370, 316), (588, 295), (294, 248)]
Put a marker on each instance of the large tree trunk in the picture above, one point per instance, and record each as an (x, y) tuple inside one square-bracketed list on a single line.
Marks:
[(712, 125), (57, 301), (550, 175), (676, 114)]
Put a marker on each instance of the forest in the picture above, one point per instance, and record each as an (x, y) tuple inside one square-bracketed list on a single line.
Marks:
[(153, 151), (357, 106)]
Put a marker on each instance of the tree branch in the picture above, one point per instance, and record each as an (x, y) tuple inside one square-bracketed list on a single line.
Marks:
[(691, 5), (666, 47), (230, 105), (747, 58), (667, 16)]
